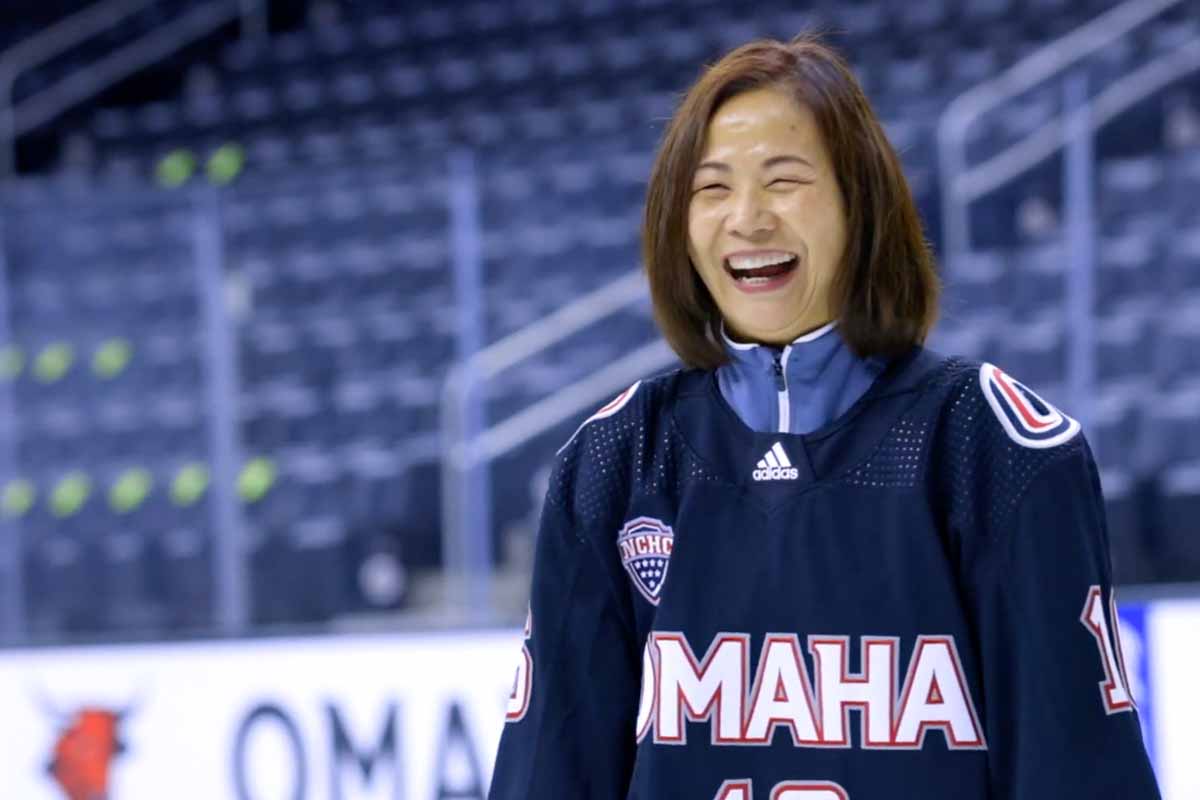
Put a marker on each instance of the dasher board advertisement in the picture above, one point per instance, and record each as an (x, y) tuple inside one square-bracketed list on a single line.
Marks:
[(343, 718), (1173, 653), (402, 717)]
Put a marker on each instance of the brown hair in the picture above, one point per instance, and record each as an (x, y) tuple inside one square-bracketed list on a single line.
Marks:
[(886, 290)]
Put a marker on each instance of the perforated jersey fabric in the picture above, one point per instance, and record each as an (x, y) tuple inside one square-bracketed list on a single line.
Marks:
[(636, 452), (950, 443), (684, 559), (983, 473)]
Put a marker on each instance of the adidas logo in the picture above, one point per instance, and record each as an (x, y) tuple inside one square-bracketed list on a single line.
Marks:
[(775, 466)]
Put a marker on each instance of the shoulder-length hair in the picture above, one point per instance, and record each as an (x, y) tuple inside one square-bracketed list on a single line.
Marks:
[(885, 294)]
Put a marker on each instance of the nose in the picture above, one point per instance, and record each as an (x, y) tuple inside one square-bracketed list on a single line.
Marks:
[(750, 217)]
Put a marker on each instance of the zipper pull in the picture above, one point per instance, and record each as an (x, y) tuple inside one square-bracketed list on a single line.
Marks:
[(779, 384)]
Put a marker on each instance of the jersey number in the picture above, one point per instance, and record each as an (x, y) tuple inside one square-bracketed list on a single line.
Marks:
[(1114, 689), (743, 789), (518, 699)]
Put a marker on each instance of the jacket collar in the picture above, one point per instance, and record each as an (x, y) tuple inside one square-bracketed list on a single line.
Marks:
[(807, 356), (796, 388)]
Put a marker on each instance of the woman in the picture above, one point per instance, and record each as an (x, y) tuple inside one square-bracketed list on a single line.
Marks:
[(823, 563)]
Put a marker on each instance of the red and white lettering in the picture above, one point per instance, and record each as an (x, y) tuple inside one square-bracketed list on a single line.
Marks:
[(809, 790), (873, 690), (518, 699), (1114, 691), (936, 696), (743, 789), (1116, 628), (686, 687), (649, 692), (815, 710), (782, 694)]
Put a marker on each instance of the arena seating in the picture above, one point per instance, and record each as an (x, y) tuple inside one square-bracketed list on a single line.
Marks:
[(337, 250)]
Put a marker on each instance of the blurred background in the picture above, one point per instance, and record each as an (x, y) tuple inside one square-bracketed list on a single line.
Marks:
[(298, 299)]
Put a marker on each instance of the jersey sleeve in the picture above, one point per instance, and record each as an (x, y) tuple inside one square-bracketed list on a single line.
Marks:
[(1059, 718), (570, 727)]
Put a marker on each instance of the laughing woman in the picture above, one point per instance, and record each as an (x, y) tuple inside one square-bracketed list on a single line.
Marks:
[(822, 562)]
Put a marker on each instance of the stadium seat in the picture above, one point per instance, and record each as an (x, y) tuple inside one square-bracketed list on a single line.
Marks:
[(1179, 550), (1128, 546), (1035, 349), (340, 227), (1174, 426), (977, 282), (1178, 342), (1128, 186), (1182, 261), (1128, 267), (61, 587), (981, 12), (1125, 343), (1115, 427), (971, 338), (1039, 276)]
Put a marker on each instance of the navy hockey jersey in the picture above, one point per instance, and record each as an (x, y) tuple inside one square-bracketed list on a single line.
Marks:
[(911, 602)]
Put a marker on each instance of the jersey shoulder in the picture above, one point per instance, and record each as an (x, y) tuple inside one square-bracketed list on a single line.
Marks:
[(995, 438), (983, 400), (594, 470)]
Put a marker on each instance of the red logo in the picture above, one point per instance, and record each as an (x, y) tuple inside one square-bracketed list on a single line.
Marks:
[(83, 753)]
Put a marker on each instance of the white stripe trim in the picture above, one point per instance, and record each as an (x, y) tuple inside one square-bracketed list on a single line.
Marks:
[(808, 337), (785, 400), (817, 334), (762, 464), (777, 449), (998, 400), (610, 408), (770, 459), (732, 343)]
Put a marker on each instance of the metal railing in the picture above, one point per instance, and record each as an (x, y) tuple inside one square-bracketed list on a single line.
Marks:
[(462, 454), (1048, 139), (962, 184), (960, 187), (1071, 131), (17, 119), (40, 48)]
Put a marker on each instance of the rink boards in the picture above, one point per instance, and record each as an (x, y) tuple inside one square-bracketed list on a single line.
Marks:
[(402, 717)]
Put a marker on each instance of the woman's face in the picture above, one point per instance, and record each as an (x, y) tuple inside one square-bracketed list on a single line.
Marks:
[(765, 193)]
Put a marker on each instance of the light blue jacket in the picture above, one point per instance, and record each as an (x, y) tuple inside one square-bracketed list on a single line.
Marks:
[(798, 388)]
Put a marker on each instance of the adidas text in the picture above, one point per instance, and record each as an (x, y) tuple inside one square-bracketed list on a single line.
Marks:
[(776, 474)]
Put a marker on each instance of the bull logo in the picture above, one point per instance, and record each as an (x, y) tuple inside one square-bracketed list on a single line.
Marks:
[(88, 742)]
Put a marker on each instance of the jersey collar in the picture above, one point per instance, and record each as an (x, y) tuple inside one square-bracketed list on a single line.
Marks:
[(817, 377), (713, 430)]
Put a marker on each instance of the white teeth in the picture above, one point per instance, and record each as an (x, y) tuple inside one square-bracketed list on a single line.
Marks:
[(754, 281), (757, 262)]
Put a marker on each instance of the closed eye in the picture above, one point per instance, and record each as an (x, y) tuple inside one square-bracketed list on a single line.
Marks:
[(772, 183)]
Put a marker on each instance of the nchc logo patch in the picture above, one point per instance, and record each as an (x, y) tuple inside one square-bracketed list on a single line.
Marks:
[(645, 544), (1028, 419)]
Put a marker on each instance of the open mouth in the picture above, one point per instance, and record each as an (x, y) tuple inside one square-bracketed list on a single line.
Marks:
[(764, 275)]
